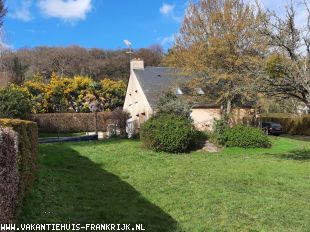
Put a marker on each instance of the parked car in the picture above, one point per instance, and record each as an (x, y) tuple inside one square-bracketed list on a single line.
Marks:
[(272, 128)]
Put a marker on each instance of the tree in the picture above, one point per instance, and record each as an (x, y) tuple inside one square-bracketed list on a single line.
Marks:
[(3, 12), (220, 39), (114, 92), (14, 102), (76, 61), (169, 103), (288, 66)]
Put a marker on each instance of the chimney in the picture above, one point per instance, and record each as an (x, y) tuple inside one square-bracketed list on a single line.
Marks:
[(136, 64)]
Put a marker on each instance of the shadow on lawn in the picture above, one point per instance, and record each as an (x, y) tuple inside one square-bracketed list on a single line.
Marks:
[(73, 189), (301, 154)]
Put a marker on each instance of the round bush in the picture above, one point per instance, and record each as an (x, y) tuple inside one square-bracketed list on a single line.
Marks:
[(169, 133), (14, 102), (246, 137)]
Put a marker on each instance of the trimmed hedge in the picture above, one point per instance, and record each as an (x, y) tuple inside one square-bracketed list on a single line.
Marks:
[(246, 137), (18, 161), (9, 177), (71, 122), (295, 125), (169, 133)]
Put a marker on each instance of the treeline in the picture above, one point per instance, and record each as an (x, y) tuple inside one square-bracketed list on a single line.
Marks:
[(98, 64)]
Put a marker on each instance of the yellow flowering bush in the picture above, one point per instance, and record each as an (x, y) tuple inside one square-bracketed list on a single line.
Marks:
[(77, 94)]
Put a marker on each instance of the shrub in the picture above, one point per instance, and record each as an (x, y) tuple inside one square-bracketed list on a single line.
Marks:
[(246, 137), (169, 103), (14, 102), (119, 118), (169, 133), (219, 128), (80, 122), (19, 164)]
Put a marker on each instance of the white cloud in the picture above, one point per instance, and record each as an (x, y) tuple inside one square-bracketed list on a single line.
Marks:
[(279, 7), (168, 40), (21, 11), (166, 8), (4, 46), (169, 11), (66, 9)]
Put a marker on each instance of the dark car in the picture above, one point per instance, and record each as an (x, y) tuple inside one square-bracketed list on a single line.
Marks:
[(272, 128)]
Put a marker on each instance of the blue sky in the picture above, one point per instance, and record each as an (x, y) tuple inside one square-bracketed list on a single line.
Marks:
[(92, 23), (99, 23)]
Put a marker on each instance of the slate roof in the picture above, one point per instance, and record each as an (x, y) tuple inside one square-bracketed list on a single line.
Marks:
[(156, 80)]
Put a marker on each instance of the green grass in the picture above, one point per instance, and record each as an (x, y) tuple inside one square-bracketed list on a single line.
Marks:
[(48, 135), (118, 182), (298, 137)]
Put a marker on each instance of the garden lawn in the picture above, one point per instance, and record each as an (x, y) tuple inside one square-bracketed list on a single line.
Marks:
[(118, 182)]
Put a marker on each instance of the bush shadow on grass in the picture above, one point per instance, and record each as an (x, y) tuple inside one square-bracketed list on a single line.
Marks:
[(72, 189), (300, 154)]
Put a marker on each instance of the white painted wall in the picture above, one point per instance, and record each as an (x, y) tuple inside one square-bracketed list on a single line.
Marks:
[(135, 101)]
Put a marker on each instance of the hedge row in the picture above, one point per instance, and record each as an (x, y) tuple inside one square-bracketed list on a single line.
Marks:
[(9, 177), (18, 158), (296, 125), (71, 122)]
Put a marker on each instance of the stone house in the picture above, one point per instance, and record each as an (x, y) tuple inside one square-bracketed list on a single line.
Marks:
[(147, 84)]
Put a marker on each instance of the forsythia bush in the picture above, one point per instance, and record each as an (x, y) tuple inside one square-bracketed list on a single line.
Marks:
[(78, 94)]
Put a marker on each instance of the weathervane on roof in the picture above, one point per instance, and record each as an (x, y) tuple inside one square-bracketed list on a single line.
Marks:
[(129, 52)]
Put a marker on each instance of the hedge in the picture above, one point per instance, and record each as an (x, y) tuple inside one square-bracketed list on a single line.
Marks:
[(71, 122), (18, 159), (295, 125), (9, 177)]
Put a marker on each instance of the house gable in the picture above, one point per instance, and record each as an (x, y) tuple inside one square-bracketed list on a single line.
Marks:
[(136, 102)]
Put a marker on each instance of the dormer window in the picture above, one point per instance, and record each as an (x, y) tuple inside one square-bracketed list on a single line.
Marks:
[(179, 91), (199, 91)]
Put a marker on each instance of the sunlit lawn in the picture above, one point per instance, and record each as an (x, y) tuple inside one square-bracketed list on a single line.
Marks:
[(118, 182)]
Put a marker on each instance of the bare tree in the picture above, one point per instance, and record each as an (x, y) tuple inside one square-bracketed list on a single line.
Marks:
[(3, 12), (74, 60), (288, 65)]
